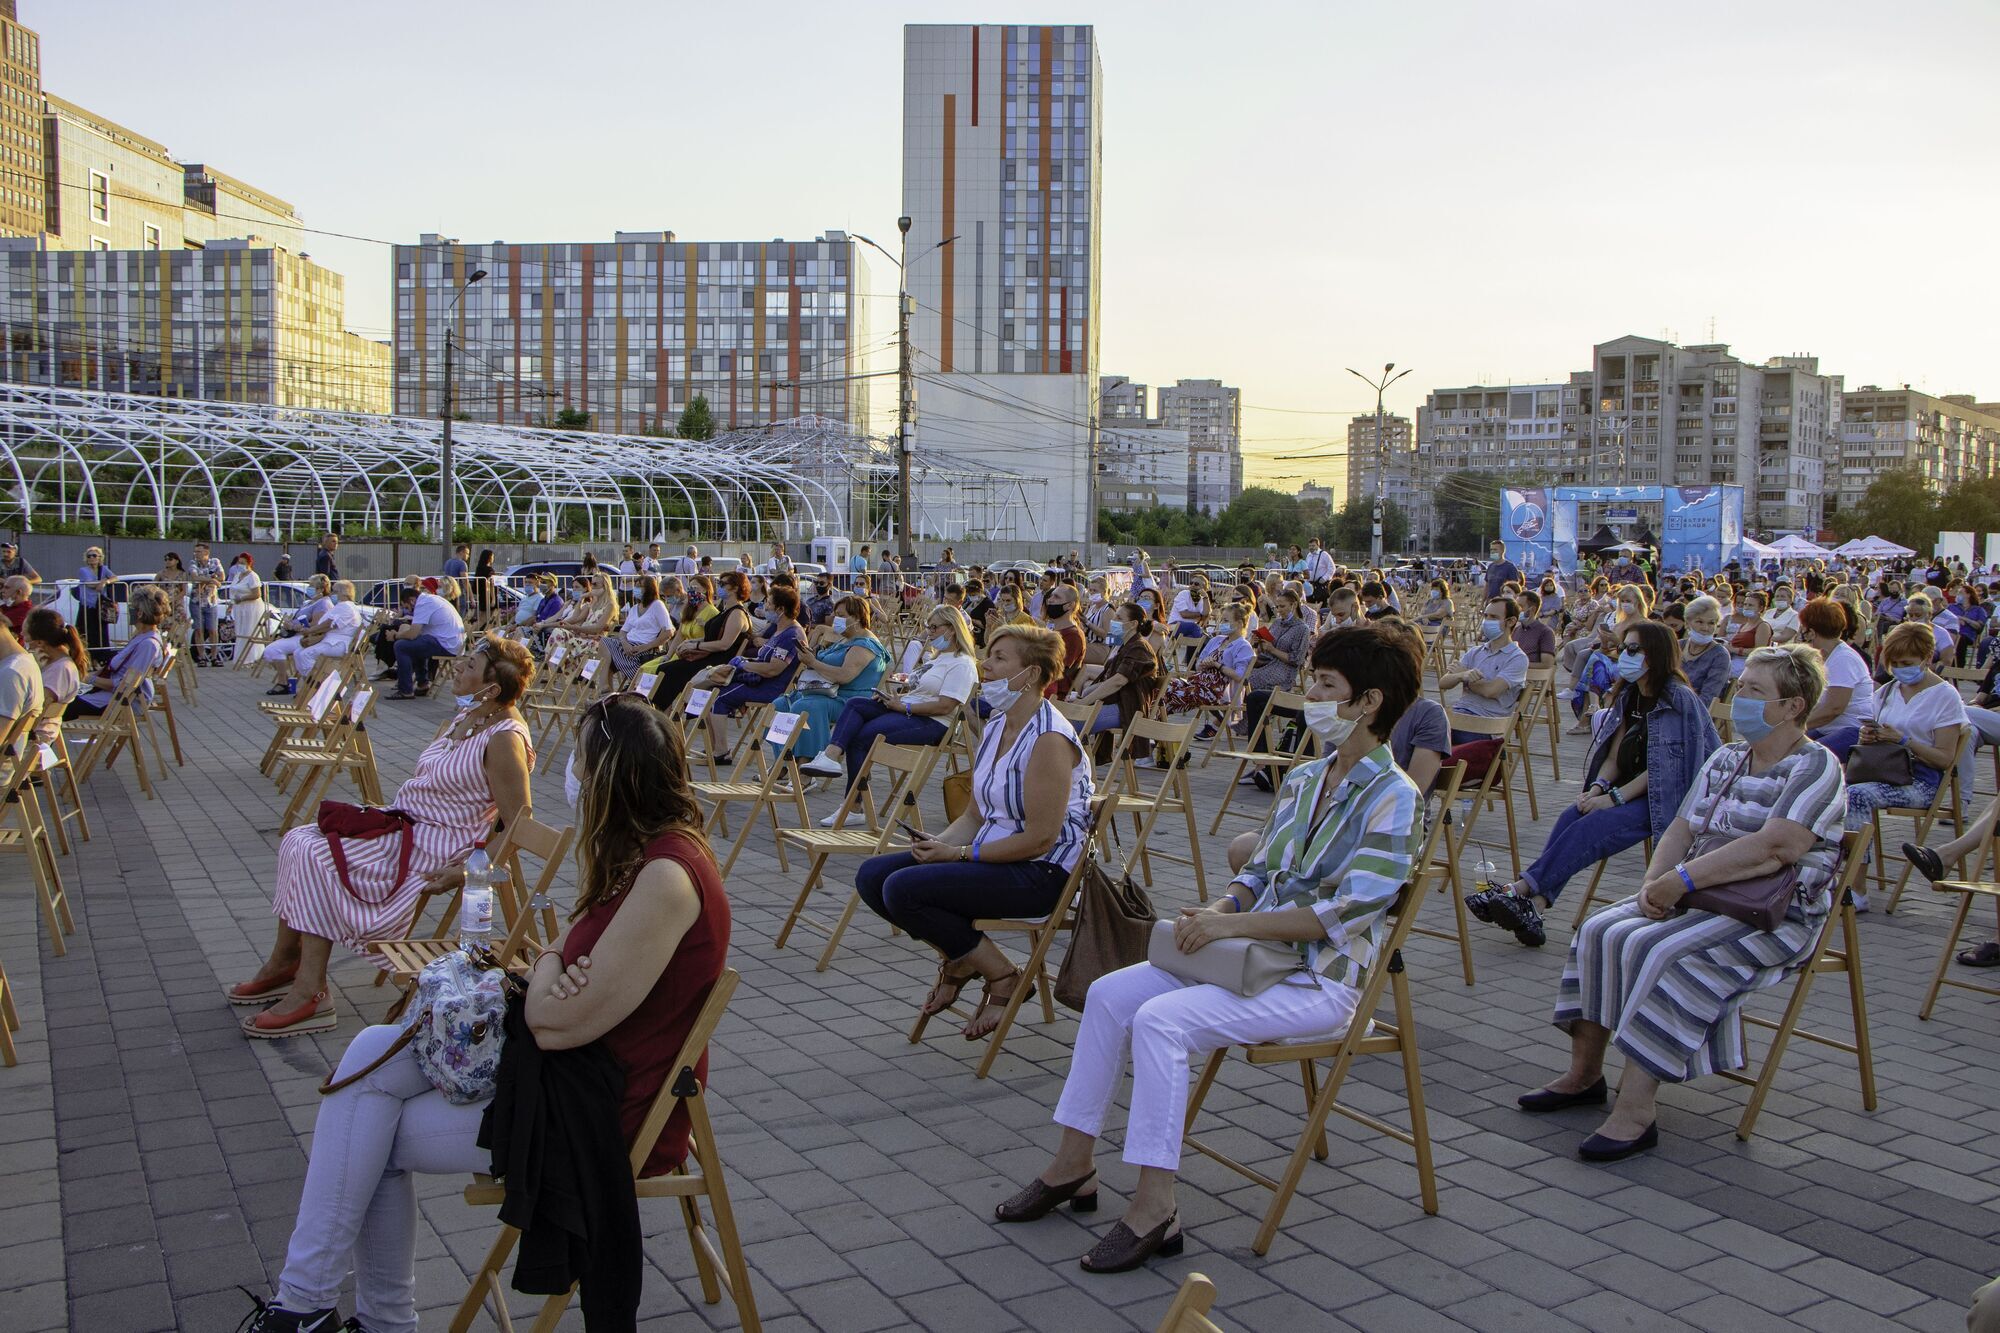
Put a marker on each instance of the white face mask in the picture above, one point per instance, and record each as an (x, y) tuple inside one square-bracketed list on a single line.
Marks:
[(999, 695), (1325, 721), (465, 701), (840, 624), (572, 784)]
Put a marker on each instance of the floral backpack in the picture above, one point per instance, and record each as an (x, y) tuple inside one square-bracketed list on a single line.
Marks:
[(456, 1025)]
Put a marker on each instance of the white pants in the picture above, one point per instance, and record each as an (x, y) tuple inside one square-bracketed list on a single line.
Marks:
[(1165, 1022), (285, 647), (359, 1205), (308, 658)]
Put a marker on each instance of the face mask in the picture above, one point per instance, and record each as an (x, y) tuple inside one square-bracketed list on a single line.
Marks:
[(942, 642), (1116, 634), (1096, 598), (572, 785), (840, 624), (1746, 716), (1489, 630), (1695, 636), (999, 695), (1324, 718), (1782, 604), (1631, 665), (1907, 675), (465, 701)]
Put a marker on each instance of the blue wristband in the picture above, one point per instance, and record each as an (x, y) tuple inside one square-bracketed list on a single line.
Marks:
[(975, 849), (1686, 878)]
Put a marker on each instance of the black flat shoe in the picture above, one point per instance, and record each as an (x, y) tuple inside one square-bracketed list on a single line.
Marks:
[(1597, 1148), (1928, 863), (1121, 1251), (1546, 1100), (1037, 1200)]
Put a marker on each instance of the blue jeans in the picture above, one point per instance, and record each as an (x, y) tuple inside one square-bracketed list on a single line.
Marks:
[(1108, 718), (865, 719), (937, 903), (1579, 840), (413, 660)]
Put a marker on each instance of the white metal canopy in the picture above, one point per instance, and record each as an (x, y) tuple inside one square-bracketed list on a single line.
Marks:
[(76, 457)]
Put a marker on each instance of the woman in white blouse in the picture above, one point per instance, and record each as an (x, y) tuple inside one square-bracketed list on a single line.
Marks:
[(644, 628), (919, 715), (246, 605), (64, 661), (1917, 709)]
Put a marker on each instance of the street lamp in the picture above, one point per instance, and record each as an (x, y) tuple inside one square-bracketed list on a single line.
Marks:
[(906, 397), (1380, 386), (445, 471)]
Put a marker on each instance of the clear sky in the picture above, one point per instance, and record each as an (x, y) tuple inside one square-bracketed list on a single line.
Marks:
[(1476, 189)]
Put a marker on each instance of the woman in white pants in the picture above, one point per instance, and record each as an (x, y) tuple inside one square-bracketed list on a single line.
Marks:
[(300, 622), (1339, 847)]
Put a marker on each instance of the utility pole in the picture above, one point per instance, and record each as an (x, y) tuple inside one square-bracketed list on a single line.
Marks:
[(906, 398), (447, 505), (1380, 386)]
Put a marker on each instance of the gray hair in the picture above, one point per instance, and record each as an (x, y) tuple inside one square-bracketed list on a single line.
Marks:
[(1702, 606), (148, 604), (1798, 669)]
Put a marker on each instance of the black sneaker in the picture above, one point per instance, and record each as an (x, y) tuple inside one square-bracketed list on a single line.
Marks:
[(268, 1318), (1261, 779), (1508, 911), (1480, 904), (1530, 931)]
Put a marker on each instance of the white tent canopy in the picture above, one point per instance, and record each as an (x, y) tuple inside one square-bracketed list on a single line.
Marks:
[(1872, 548), (1795, 547), (1756, 550)]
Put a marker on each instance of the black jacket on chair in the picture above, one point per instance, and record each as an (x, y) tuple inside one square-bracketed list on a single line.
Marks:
[(552, 1128)]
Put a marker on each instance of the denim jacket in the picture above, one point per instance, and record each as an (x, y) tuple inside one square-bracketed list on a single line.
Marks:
[(1679, 739)]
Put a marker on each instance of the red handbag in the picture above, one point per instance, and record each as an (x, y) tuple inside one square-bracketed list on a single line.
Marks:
[(364, 823)]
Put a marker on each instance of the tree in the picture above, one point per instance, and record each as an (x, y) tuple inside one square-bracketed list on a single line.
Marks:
[(1468, 510), (1260, 515), (1354, 526), (696, 422), (572, 418), (1899, 505)]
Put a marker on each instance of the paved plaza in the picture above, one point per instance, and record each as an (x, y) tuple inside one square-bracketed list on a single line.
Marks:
[(151, 1157)]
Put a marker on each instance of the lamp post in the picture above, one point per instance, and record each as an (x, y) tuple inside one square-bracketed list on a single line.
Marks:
[(906, 381), (1380, 386), (446, 504)]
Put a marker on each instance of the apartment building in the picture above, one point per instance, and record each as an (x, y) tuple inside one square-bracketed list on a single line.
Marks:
[(1119, 399), (1948, 439), (23, 200), (1212, 415), (1002, 156), (630, 330), (1142, 465), (1388, 458), (236, 322)]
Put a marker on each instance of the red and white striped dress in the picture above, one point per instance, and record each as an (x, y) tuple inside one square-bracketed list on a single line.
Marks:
[(453, 806)]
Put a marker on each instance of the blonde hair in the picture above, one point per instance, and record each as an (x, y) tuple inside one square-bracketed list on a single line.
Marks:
[(1799, 670), (607, 595), (961, 630), (1908, 638), (1703, 605), (1040, 648)]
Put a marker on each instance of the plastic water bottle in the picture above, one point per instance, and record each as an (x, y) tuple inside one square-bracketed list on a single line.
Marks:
[(475, 900)]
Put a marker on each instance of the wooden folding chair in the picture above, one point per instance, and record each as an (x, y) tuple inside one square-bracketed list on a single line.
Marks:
[(530, 925), (1496, 784), (1926, 817), (1265, 749), (1718, 713), (905, 768), (691, 711), (1537, 701), (116, 728), (1590, 893), (294, 720), (1189, 1312), (1365, 1035), (1968, 891), (163, 704), (265, 631), (762, 795), (719, 1263), (1041, 932), (558, 716), (1825, 958), (1129, 794), (345, 752), (1431, 869), (23, 829)]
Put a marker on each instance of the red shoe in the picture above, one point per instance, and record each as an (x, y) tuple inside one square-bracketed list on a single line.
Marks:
[(315, 1015), (250, 992)]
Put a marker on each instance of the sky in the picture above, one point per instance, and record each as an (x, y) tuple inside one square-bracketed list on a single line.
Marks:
[(1476, 190)]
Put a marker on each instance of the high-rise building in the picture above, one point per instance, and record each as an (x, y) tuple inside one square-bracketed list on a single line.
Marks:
[(1947, 439), (1142, 465), (1212, 415), (629, 331), (1119, 399), (235, 322), (1002, 154), (1389, 457), (23, 199), (1525, 434)]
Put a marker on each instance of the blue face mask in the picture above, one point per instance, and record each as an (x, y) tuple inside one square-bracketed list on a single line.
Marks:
[(1631, 666), (1907, 675), (1489, 630), (1116, 633), (1746, 717)]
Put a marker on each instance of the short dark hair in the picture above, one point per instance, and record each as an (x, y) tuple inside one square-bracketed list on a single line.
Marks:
[(1509, 608), (1373, 658), (785, 599)]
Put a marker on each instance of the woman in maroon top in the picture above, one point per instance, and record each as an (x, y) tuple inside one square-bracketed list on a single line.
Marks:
[(644, 947)]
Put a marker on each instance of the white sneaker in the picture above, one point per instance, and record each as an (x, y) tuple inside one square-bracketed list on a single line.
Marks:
[(826, 822), (824, 767)]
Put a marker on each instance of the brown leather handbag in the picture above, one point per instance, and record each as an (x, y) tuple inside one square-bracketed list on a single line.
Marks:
[(1760, 902)]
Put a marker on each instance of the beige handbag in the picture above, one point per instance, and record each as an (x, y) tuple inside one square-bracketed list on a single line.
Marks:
[(1247, 967)]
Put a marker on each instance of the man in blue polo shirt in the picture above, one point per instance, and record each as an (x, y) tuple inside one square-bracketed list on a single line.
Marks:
[(1492, 672)]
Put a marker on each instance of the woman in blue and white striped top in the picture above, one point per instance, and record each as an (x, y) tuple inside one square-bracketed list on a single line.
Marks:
[(1012, 850)]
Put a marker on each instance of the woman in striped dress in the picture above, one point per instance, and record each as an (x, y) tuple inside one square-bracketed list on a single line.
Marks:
[(1668, 989), (470, 780), (1011, 852)]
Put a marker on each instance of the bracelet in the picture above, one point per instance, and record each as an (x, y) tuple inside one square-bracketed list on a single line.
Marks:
[(1617, 796), (1686, 879), (975, 849)]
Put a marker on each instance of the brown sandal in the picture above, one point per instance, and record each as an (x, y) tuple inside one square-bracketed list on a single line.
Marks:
[(988, 999), (944, 991)]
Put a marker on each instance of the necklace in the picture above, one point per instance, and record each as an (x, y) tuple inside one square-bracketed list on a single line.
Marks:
[(472, 724)]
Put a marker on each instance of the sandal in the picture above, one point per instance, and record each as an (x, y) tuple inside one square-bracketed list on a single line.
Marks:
[(987, 999), (944, 991), (315, 1015), (250, 992), (1981, 955)]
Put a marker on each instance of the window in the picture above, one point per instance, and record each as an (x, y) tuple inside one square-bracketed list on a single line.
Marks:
[(99, 243), (100, 197), (152, 237)]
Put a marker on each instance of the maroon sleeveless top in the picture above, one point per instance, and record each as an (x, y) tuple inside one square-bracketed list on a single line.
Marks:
[(650, 1037)]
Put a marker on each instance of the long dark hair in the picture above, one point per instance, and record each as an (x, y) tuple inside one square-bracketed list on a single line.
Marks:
[(634, 774), (45, 625), (1663, 658), (484, 569)]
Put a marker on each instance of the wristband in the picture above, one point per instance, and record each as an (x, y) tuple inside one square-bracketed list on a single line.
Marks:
[(1617, 797), (1686, 879), (975, 850)]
